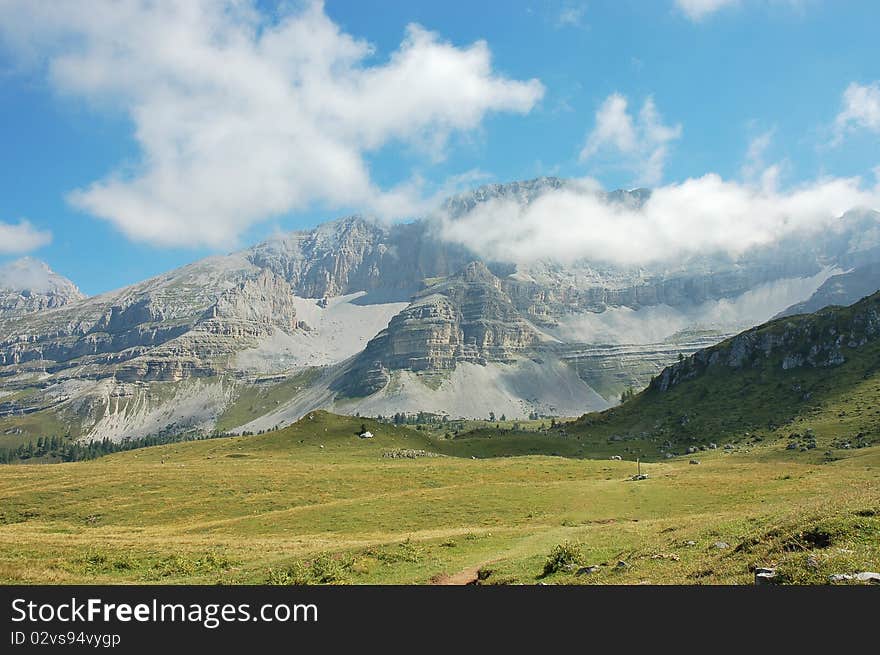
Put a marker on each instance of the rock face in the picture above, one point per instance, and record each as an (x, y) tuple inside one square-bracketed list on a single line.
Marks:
[(28, 285), (125, 329), (254, 307), (354, 254), (465, 318), (819, 340), (841, 290)]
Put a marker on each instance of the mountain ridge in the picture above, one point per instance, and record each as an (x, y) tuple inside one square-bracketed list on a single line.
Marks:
[(384, 318)]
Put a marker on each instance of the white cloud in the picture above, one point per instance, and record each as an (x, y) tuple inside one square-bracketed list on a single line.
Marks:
[(703, 215), (640, 144), (755, 154), (27, 273), (696, 10), (755, 170), (570, 16), (860, 110), (239, 119), (21, 237)]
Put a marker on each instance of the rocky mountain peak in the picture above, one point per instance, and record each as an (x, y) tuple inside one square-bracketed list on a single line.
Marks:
[(478, 272), (29, 285), (523, 192)]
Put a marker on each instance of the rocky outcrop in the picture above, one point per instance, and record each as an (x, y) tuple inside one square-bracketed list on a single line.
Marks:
[(28, 285), (424, 336), (355, 254), (465, 318), (815, 340)]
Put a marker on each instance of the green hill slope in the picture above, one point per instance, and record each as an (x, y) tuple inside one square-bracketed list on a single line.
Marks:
[(811, 380)]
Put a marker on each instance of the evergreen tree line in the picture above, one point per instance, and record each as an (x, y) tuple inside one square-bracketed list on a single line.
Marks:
[(401, 418), (64, 449)]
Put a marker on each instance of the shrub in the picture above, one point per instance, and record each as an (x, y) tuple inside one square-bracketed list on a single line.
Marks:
[(563, 557), (327, 569), (185, 565), (295, 574), (406, 551)]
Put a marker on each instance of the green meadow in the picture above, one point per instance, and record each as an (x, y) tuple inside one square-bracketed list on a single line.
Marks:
[(314, 503)]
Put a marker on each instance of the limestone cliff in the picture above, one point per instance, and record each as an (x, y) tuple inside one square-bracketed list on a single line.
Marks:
[(464, 318)]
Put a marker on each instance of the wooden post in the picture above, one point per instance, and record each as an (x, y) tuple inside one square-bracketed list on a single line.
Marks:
[(639, 464)]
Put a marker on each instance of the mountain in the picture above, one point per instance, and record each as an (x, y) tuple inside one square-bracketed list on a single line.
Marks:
[(362, 317), (28, 285), (801, 378), (461, 347), (843, 289)]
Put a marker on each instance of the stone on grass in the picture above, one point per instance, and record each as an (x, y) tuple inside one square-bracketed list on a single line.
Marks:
[(765, 576), (864, 576)]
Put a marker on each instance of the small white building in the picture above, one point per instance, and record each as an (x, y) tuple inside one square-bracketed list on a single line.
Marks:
[(366, 435)]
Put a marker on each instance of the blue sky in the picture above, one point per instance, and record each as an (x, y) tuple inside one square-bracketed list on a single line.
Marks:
[(627, 93)]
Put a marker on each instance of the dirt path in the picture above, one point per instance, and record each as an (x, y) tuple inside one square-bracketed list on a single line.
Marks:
[(524, 546), (468, 576)]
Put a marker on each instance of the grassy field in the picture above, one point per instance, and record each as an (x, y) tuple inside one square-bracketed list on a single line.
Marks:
[(313, 503)]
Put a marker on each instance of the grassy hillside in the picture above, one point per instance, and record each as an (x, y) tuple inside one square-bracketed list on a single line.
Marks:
[(314, 503), (774, 393), (262, 398)]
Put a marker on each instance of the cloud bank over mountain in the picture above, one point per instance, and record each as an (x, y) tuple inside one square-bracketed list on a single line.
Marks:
[(704, 215)]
